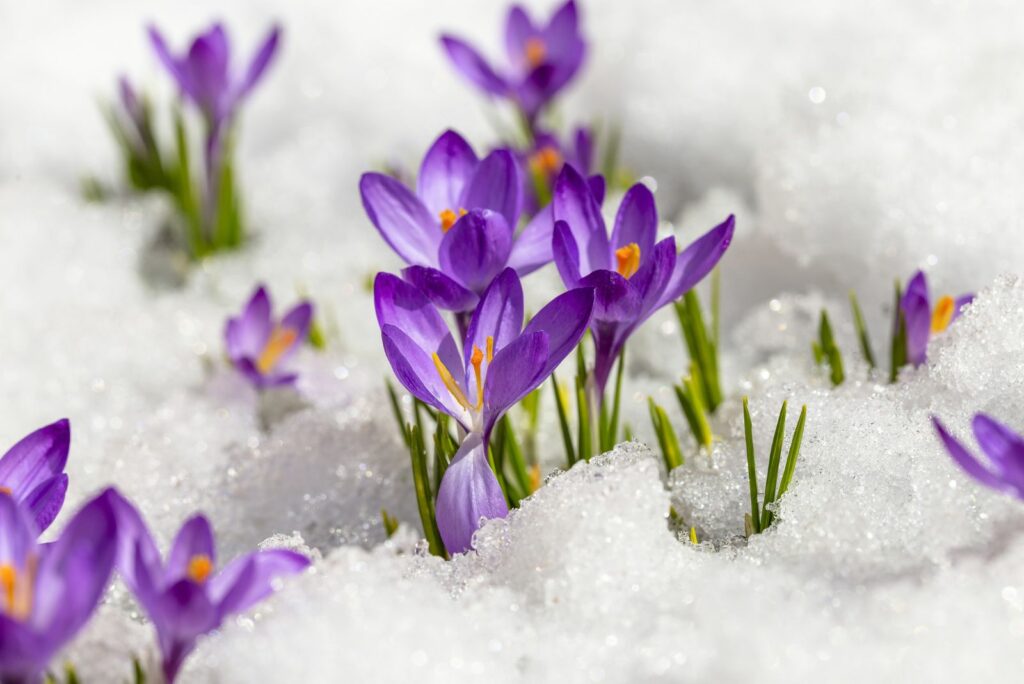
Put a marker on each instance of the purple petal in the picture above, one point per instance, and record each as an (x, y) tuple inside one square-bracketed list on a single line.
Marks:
[(518, 30), (499, 315), (260, 61), (46, 500), (1004, 447), (17, 533), (609, 338), (163, 53), (403, 221), (298, 318), (206, 72), (247, 580), (917, 312), (596, 184), (583, 143), (473, 66), (615, 298), (961, 302), (563, 29), (468, 492), (402, 305), (415, 369), (564, 320), (566, 254), (36, 458), (23, 654), (442, 291), (515, 372), (445, 172), (246, 335), (532, 248), (195, 538), (655, 274), (698, 259), (636, 221), (185, 613), (496, 185), (966, 461), (575, 204), (476, 249)]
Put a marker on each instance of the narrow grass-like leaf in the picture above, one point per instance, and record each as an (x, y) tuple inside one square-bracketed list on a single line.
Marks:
[(583, 421), (424, 499), (862, 330), (138, 672), (390, 523), (563, 421), (898, 348), (693, 536), (772, 478), (666, 436), (794, 452), (830, 350), (184, 192), (396, 408), (514, 457), (613, 426), (754, 517)]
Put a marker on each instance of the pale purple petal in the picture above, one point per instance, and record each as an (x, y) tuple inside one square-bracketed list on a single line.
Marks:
[(960, 304), (653, 278), (404, 223), (299, 318), (195, 538), (441, 290), (518, 30), (247, 580), (575, 204), (476, 249), (564, 320), (446, 170), (636, 221), (496, 185), (163, 53), (515, 371), (965, 460), (469, 492), (698, 259), (1004, 447), (17, 533), (260, 61), (402, 305), (35, 458), (532, 248), (473, 66), (184, 613), (917, 312), (499, 315), (247, 334)]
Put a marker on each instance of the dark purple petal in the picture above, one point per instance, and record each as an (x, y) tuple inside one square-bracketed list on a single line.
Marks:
[(260, 61), (185, 613), (442, 291), (636, 221), (476, 249), (468, 492), (206, 75), (1004, 447), (473, 66), (575, 204), (564, 320), (195, 538), (35, 459), (499, 315), (247, 580), (655, 275), (246, 335), (615, 298), (445, 172), (583, 147), (496, 185), (46, 500), (566, 254), (515, 372), (917, 312), (24, 655), (416, 370), (609, 338), (698, 259), (403, 221), (965, 460), (596, 185), (532, 248)]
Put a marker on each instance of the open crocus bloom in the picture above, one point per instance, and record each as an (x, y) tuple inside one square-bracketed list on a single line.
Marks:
[(1003, 447), (631, 275), (204, 73), (456, 230), (541, 59), (259, 346), (500, 362), (47, 593), (32, 472), (922, 320), (187, 596)]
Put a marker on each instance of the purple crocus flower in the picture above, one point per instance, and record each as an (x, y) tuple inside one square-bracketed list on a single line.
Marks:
[(204, 73), (1003, 447), (32, 472), (259, 346), (922, 320), (185, 596), (48, 592), (541, 59), (500, 363), (631, 275), (456, 230), (542, 163)]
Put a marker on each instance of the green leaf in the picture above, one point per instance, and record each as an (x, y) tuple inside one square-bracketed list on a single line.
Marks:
[(666, 436), (390, 523), (140, 674), (794, 452), (774, 458), (830, 350), (754, 517), (583, 420), (563, 421), (396, 409), (862, 331), (898, 348), (424, 500)]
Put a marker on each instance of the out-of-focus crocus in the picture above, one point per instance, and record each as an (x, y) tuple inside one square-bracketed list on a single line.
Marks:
[(922, 320), (47, 593), (32, 472), (500, 363), (457, 229), (259, 345), (542, 163), (204, 72), (186, 596), (1003, 447), (541, 59), (631, 275)]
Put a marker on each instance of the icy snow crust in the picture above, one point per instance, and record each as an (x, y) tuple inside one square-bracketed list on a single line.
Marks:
[(855, 142)]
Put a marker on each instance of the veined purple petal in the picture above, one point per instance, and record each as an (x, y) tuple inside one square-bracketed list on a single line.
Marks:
[(402, 305), (476, 249), (575, 204), (499, 315), (653, 278), (46, 500), (195, 538), (496, 185), (446, 170), (468, 492), (532, 248), (1004, 447), (965, 460), (415, 369), (36, 458), (636, 221), (442, 291), (518, 30), (917, 312), (515, 372), (698, 259), (260, 61), (247, 334), (566, 254), (473, 66), (249, 579), (403, 221), (615, 298), (564, 320)]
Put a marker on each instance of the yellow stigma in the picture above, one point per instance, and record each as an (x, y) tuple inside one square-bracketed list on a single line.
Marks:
[(449, 217), (280, 341), (490, 349), (547, 160), (629, 259), (943, 314), (199, 568), (536, 51)]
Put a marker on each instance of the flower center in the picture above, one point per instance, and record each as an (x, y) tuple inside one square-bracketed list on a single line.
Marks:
[(628, 259), (449, 217), (5, 490), (943, 314), (199, 568), (281, 340), (536, 51), (476, 359), (547, 160), (16, 590)]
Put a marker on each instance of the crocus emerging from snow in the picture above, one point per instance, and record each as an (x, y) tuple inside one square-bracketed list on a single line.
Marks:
[(541, 59), (259, 346), (32, 472), (922, 320), (186, 596), (631, 275), (1003, 447), (47, 593), (500, 363)]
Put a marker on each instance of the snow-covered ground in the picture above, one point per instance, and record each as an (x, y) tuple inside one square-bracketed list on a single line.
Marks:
[(854, 141)]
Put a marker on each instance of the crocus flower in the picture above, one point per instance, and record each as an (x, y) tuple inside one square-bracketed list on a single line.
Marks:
[(204, 73), (456, 230), (541, 60), (1003, 447), (922, 320), (500, 363), (631, 275), (542, 163), (259, 346), (32, 472), (186, 596), (47, 593)]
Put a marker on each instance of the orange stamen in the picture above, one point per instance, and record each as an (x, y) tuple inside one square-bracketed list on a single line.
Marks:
[(490, 349), (199, 568), (534, 477), (450, 384), (546, 160), (449, 217), (8, 580), (476, 360), (943, 314), (629, 259), (536, 51), (280, 341)]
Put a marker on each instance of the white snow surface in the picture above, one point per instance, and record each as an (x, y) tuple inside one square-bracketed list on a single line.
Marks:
[(854, 141)]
